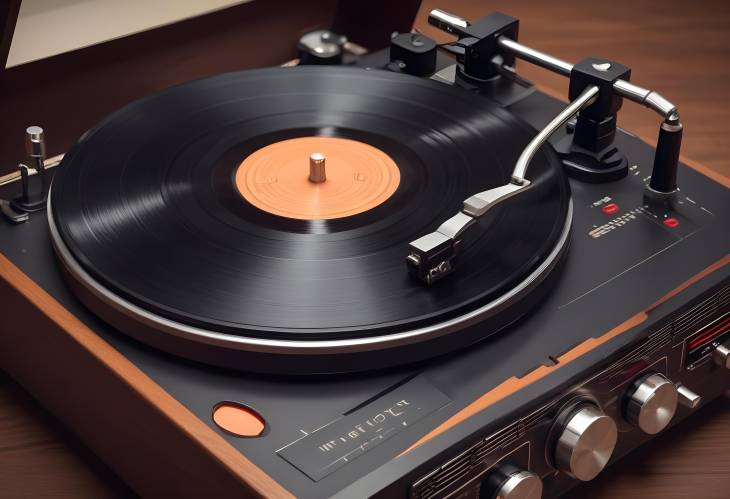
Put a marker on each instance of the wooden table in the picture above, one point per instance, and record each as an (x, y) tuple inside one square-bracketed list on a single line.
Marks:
[(682, 49)]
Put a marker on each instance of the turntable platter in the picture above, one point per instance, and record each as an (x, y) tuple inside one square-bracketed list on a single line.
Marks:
[(160, 216)]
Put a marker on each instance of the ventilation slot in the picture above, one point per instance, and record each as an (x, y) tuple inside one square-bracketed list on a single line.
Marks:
[(698, 315)]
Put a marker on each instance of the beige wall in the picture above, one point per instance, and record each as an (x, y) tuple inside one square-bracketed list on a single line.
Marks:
[(50, 27)]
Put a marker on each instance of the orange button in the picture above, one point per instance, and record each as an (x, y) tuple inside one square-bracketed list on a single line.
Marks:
[(610, 209), (238, 419)]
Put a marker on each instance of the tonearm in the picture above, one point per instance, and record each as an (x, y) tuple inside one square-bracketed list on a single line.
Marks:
[(596, 90)]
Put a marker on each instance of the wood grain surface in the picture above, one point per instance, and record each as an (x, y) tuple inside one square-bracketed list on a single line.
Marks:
[(113, 406), (680, 48)]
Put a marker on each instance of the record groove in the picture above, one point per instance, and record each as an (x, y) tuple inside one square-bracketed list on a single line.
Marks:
[(146, 203)]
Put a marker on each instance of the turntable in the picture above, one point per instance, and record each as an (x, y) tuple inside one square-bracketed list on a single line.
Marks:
[(405, 273)]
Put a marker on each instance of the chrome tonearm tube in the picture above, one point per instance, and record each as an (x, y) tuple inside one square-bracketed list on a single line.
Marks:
[(648, 98), (430, 256), (653, 100)]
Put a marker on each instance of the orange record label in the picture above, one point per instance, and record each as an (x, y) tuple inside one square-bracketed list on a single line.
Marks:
[(359, 177)]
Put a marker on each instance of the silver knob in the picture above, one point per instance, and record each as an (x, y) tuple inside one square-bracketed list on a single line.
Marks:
[(651, 403), (520, 485), (721, 356), (35, 145), (511, 482), (586, 443)]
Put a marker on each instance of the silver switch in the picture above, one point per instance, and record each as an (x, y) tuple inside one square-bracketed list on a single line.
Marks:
[(687, 397), (721, 356)]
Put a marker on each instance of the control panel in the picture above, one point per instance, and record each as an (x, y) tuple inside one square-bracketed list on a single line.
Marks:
[(648, 387)]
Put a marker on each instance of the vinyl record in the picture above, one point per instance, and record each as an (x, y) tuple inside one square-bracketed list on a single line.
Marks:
[(190, 212)]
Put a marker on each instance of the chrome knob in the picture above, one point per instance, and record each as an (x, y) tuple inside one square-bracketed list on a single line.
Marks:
[(35, 144), (521, 485), (585, 443), (509, 482), (651, 403)]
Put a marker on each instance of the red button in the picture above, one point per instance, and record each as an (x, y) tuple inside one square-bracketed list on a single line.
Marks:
[(610, 209), (671, 222)]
